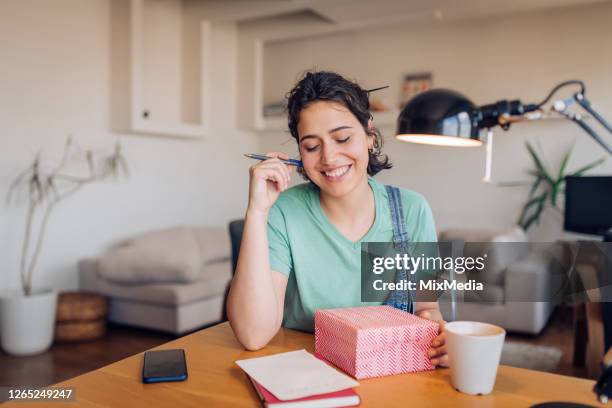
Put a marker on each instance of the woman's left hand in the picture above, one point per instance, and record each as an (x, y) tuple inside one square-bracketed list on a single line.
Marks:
[(437, 353)]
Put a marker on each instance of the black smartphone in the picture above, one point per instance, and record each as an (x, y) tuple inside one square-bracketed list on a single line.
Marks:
[(163, 366)]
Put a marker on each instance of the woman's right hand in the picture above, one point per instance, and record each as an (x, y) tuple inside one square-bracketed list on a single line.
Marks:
[(267, 179)]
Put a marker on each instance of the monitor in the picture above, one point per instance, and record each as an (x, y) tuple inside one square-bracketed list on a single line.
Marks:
[(588, 204)]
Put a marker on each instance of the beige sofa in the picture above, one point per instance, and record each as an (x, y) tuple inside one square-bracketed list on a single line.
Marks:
[(516, 287), (171, 280)]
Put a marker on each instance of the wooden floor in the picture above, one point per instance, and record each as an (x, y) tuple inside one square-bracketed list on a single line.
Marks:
[(65, 361), (559, 333)]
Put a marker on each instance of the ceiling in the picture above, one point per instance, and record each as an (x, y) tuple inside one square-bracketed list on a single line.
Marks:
[(348, 11), (284, 19), (278, 20)]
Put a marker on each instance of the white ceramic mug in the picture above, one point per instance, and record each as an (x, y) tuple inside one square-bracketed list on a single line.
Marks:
[(474, 351)]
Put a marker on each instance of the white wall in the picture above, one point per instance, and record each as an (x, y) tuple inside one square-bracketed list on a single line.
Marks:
[(519, 56), (162, 59), (54, 81), (55, 73)]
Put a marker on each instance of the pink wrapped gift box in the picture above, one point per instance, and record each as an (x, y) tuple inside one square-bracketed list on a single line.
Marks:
[(374, 341)]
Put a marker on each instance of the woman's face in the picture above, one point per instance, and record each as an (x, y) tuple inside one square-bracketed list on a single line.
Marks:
[(334, 147)]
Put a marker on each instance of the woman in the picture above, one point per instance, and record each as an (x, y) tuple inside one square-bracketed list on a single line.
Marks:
[(300, 248)]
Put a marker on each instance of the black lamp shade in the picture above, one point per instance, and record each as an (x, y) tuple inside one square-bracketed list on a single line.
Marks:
[(439, 117)]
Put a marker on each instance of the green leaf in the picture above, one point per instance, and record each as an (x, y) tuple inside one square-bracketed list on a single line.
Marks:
[(534, 201), (537, 199), (532, 210), (564, 163), (535, 186), (540, 167), (588, 167), (536, 215), (554, 191)]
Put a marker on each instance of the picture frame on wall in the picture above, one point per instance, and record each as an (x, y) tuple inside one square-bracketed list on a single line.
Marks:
[(413, 84)]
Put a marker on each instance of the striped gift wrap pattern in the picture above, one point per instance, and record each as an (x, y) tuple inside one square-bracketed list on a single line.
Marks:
[(374, 341)]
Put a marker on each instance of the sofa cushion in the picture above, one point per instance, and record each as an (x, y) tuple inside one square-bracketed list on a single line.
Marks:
[(171, 255), (214, 243), (491, 293), (212, 282), (467, 235), (501, 247)]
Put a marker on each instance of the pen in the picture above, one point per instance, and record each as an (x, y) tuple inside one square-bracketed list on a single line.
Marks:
[(293, 162)]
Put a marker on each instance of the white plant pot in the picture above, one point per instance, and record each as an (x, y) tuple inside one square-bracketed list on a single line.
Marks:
[(27, 322)]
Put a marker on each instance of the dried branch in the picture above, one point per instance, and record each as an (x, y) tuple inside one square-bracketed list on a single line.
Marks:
[(47, 190), (24, 250)]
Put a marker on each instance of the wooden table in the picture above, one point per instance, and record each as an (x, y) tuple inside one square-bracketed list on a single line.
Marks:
[(214, 380)]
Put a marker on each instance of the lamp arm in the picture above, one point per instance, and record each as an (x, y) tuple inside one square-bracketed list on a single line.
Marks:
[(577, 118), (561, 108), (586, 105)]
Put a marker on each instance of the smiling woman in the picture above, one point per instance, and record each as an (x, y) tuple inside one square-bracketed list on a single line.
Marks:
[(351, 106), (301, 246), (334, 159)]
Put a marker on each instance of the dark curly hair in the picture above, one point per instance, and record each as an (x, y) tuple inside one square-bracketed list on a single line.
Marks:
[(329, 86)]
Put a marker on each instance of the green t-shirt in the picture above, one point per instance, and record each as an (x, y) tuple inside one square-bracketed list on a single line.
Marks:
[(323, 266)]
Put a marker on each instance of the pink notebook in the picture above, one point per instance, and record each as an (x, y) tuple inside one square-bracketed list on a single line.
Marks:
[(344, 398)]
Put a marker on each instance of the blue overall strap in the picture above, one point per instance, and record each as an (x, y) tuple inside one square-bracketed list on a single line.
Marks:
[(400, 299)]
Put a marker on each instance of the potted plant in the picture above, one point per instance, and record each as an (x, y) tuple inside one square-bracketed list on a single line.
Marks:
[(547, 187), (28, 316)]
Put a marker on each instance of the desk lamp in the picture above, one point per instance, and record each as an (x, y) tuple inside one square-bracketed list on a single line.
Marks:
[(447, 118)]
